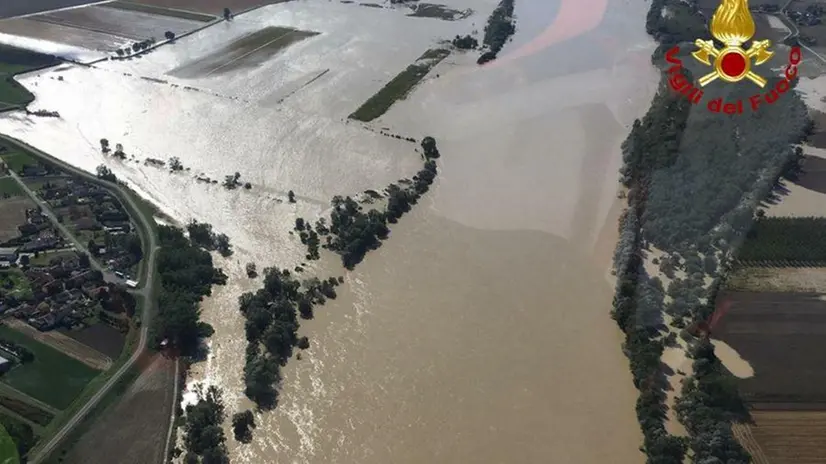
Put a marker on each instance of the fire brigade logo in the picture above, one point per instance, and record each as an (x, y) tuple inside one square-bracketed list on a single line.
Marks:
[(732, 25)]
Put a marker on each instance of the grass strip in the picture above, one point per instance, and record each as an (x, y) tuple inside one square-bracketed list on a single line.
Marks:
[(400, 86)]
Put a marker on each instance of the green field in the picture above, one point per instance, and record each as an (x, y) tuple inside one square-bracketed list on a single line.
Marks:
[(9, 188), (400, 86), (44, 259), (26, 410), (8, 449), (16, 159), (14, 283), (20, 432), (52, 377), (13, 61)]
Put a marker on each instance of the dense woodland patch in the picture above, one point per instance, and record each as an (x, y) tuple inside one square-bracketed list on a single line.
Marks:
[(185, 275)]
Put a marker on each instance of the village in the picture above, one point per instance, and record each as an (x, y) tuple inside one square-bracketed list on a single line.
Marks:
[(68, 251)]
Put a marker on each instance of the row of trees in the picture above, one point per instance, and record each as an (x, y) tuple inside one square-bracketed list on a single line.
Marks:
[(500, 27), (353, 231), (271, 324), (202, 235), (186, 275)]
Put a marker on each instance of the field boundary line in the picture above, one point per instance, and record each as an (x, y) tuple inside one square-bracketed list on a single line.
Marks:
[(8, 390), (249, 52), (55, 10), (118, 5)]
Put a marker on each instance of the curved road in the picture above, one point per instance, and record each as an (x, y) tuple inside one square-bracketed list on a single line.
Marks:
[(146, 291)]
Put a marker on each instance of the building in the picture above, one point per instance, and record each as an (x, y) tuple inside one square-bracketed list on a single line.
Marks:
[(131, 283), (5, 364), (8, 256)]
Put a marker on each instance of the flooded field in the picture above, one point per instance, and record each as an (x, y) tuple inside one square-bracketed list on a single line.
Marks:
[(248, 51), (215, 7), (28, 33), (479, 332), (10, 9)]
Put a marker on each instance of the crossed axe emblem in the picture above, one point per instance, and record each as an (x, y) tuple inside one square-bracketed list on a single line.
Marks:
[(732, 63)]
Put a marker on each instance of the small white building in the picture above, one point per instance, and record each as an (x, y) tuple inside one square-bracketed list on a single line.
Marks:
[(131, 283), (5, 364)]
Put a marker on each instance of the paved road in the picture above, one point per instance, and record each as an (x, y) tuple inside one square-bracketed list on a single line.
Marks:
[(145, 230)]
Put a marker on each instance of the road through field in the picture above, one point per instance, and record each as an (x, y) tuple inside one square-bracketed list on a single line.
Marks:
[(150, 242)]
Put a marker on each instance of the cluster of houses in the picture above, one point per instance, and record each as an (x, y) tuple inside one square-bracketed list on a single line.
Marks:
[(64, 292), (89, 207), (808, 17), (37, 234), (67, 290)]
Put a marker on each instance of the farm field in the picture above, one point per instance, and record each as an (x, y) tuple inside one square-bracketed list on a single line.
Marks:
[(9, 188), (785, 437), (90, 40), (399, 86), (53, 377), (248, 51), (100, 337), (143, 411), (782, 336), (12, 214), (157, 10), (26, 410), (214, 7), (12, 61), (778, 279), (9, 9), (21, 433), (64, 344), (124, 23)]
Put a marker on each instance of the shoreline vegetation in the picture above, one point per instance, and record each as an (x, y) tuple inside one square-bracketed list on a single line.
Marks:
[(272, 313), (499, 29), (695, 206), (400, 86)]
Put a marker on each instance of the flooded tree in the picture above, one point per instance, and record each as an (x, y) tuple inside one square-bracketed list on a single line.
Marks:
[(291, 196), (227, 14), (169, 35), (251, 271), (242, 425), (104, 144), (175, 164)]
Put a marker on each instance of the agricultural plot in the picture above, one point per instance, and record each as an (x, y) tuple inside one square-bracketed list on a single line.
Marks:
[(157, 10), (134, 25), (248, 51), (12, 214), (399, 87), (785, 437), (13, 61), (53, 377), (782, 336), (26, 410), (9, 188), (10, 9), (101, 337), (785, 241), (130, 428), (214, 7), (86, 39)]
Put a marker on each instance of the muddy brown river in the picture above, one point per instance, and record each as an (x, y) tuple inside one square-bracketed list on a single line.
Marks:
[(480, 331)]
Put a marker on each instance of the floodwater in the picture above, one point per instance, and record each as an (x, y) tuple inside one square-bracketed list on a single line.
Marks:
[(480, 331)]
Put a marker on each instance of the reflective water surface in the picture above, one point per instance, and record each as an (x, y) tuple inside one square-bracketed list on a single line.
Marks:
[(480, 331)]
